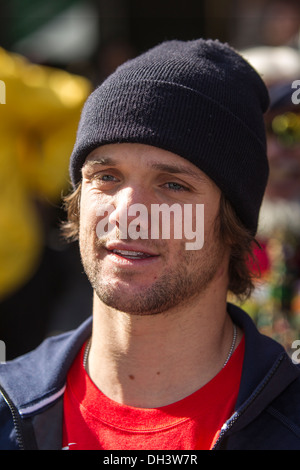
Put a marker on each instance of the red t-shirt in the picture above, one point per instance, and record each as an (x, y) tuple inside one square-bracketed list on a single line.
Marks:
[(93, 421)]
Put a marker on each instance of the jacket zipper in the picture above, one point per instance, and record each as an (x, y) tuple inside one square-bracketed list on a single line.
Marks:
[(16, 419), (228, 425)]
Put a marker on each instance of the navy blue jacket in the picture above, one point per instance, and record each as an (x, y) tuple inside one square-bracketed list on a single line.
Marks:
[(267, 412)]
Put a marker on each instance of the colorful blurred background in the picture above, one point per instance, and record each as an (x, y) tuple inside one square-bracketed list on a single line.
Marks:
[(52, 54)]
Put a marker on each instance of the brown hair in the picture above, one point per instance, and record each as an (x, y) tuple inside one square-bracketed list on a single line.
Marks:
[(243, 268), (243, 265), (71, 204)]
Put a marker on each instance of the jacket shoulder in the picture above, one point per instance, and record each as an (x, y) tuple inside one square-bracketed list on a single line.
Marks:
[(275, 426), (41, 373), (286, 408)]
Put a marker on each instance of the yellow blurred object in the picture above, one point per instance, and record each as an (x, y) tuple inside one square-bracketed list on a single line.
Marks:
[(38, 125)]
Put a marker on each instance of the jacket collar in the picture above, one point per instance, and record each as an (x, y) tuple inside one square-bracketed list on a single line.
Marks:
[(261, 353)]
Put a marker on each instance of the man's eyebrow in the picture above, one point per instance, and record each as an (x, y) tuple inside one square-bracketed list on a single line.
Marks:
[(100, 161), (177, 169)]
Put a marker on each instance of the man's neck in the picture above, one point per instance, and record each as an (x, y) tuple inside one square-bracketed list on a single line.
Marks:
[(154, 360)]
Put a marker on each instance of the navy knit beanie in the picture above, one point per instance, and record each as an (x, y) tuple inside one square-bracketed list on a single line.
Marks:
[(199, 99)]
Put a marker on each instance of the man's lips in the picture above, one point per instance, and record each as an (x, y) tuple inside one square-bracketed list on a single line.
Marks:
[(130, 252)]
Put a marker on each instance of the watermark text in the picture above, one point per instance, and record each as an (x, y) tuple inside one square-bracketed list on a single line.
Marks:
[(296, 94), (2, 352), (2, 92), (163, 222)]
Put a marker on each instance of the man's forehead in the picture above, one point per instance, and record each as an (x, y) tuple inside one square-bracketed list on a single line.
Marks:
[(153, 158)]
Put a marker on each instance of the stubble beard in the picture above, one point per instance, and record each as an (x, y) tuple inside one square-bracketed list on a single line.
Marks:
[(189, 278)]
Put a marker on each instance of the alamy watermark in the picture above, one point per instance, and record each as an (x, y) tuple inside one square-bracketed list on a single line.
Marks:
[(295, 356), (296, 94), (2, 92), (165, 222), (2, 352)]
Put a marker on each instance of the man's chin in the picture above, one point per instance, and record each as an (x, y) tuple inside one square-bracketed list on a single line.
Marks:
[(136, 298), (131, 304)]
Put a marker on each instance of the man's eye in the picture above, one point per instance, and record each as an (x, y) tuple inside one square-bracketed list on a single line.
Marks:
[(104, 178), (176, 186), (108, 178)]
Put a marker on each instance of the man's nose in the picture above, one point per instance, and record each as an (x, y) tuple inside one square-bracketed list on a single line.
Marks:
[(132, 208)]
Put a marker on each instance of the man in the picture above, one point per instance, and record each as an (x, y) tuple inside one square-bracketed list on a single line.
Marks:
[(179, 127)]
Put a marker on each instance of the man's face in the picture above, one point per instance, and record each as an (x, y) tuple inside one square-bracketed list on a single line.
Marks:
[(137, 273)]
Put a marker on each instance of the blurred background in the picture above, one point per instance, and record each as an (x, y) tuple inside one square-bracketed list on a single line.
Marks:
[(52, 54)]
